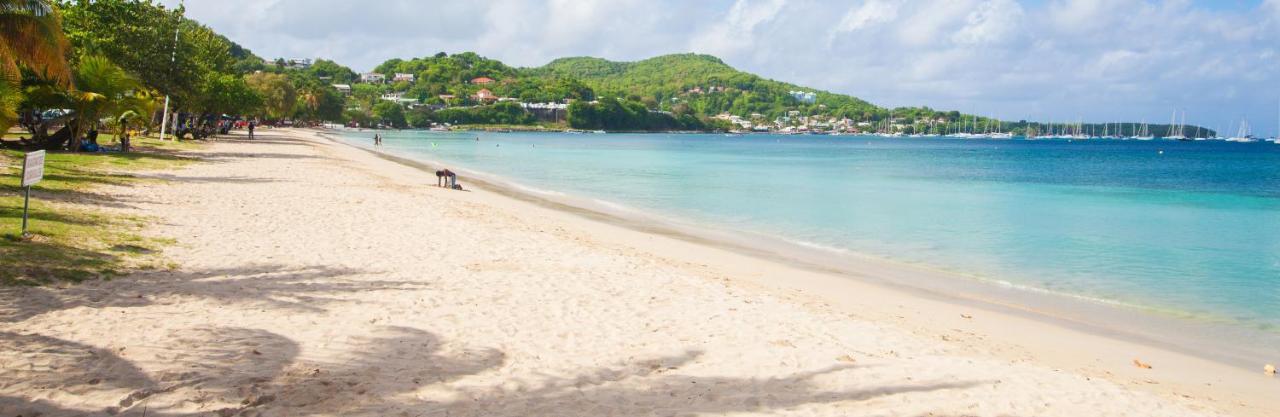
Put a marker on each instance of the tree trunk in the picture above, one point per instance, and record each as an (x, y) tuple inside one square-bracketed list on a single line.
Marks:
[(77, 135)]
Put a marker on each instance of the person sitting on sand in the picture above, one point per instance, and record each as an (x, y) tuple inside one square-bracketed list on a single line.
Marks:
[(91, 142)]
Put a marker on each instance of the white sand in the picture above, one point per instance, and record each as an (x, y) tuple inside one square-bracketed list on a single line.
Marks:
[(317, 279)]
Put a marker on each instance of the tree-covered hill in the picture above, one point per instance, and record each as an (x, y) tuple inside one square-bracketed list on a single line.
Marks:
[(705, 84)]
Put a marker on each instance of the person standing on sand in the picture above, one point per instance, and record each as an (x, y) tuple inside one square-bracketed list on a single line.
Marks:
[(251, 125)]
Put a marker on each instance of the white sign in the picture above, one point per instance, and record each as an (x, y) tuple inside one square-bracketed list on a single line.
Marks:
[(33, 168)]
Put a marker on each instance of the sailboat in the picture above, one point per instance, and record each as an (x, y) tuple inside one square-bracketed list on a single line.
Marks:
[(1178, 128), (1243, 135), (1276, 140), (1144, 133), (1000, 134)]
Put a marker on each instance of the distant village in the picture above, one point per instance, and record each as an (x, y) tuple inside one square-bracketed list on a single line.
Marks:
[(793, 122)]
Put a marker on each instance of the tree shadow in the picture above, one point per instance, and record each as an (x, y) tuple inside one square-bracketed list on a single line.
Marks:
[(212, 363), (653, 388), (47, 216), (286, 289), (247, 155), (200, 179), (235, 371), (266, 139), (391, 361), (37, 262), (42, 363)]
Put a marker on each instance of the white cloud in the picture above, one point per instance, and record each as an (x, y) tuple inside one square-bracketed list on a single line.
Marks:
[(872, 13), (736, 31), (994, 21), (1096, 59)]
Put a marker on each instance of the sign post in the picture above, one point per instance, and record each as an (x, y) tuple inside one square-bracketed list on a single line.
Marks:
[(32, 172)]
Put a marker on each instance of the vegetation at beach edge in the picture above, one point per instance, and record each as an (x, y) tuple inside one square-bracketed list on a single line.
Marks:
[(71, 240)]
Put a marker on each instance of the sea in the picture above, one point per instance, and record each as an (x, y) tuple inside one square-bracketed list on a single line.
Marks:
[(1189, 230)]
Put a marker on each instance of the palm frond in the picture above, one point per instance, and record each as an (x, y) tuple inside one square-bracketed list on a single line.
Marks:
[(31, 36)]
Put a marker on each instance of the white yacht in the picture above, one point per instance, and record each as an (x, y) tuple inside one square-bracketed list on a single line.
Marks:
[(1242, 134), (1179, 128)]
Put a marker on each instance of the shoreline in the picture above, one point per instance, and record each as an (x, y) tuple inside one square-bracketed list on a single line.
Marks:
[(1232, 344), (1073, 318), (312, 277)]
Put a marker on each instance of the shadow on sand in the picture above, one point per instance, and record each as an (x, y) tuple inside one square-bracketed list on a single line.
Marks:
[(286, 289)]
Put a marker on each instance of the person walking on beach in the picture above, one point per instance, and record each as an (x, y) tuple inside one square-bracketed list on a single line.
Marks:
[(377, 140), (251, 125)]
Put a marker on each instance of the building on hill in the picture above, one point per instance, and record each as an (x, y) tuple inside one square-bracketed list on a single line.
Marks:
[(484, 95), (804, 97), (482, 80), (345, 89), (298, 63), (402, 77), (373, 78), (547, 111), (399, 98)]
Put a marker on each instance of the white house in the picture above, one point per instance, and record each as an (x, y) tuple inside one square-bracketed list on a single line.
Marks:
[(402, 77), (373, 78), (399, 98), (805, 96), (298, 63), (345, 89)]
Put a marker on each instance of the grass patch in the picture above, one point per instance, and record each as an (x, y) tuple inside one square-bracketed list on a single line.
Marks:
[(73, 241)]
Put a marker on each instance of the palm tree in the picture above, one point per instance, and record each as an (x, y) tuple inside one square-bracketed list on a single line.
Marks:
[(102, 89), (10, 98), (30, 36), (309, 97)]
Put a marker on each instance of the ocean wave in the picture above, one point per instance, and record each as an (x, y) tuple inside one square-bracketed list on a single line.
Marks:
[(818, 246), (536, 190), (615, 206)]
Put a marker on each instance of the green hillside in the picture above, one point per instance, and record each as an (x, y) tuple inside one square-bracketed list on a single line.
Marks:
[(704, 85), (669, 92)]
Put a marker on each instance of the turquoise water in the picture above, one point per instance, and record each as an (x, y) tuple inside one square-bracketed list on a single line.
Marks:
[(1191, 228)]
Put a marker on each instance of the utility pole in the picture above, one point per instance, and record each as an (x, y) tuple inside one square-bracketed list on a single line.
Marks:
[(173, 60)]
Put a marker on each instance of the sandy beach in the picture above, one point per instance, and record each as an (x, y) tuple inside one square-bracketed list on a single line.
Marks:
[(314, 278)]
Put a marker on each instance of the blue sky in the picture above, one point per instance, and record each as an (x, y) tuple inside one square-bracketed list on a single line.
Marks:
[(1099, 60)]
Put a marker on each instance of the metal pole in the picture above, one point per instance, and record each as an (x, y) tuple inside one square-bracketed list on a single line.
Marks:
[(164, 121), (173, 60), (26, 205)]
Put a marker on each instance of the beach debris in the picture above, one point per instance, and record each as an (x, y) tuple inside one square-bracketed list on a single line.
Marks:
[(1141, 364), (846, 359), (966, 316), (1269, 369)]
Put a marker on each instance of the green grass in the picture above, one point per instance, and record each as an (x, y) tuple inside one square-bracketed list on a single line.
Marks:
[(72, 239)]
